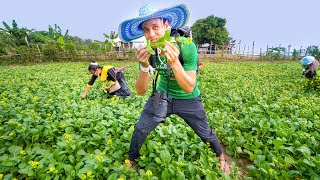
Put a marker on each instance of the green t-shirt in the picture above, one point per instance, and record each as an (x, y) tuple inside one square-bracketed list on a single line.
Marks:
[(190, 59)]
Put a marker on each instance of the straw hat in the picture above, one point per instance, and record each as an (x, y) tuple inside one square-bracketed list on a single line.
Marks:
[(131, 29)]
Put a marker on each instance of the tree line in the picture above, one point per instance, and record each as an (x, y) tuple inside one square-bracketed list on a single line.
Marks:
[(28, 45), (22, 45)]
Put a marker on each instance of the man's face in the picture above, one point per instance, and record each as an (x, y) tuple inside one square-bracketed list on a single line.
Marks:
[(154, 29)]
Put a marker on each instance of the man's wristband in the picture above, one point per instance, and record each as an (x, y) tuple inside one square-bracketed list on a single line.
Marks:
[(144, 69)]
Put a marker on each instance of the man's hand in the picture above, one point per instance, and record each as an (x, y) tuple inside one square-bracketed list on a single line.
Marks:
[(143, 56), (172, 53), (143, 77)]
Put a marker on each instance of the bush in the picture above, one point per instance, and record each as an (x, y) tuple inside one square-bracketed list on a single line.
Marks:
[(51, 51)]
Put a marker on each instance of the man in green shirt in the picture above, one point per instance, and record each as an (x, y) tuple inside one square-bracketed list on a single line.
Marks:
[(177, 91)]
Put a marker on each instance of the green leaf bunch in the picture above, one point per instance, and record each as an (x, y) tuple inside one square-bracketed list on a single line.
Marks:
[(160, 43)]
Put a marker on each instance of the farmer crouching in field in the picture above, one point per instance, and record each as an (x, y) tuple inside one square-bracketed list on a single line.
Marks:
[(177, 91), (117, 86), (309, 65)]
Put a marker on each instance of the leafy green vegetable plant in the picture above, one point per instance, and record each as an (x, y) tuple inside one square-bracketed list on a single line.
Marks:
[(262, 112), (160, 43)]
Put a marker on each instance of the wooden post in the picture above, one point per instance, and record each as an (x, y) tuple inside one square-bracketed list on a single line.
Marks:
[(307, 50), (267, 52), (300, 51), (252, 49), (222, 52), (38, 49), (244, 49), (26, 39), (260, 52), (239, 47)]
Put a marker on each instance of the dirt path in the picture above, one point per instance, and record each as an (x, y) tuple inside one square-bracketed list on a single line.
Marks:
[(241, 163)]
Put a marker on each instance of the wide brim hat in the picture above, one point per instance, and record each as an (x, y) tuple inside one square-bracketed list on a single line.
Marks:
[(131, 29), (307, 60)]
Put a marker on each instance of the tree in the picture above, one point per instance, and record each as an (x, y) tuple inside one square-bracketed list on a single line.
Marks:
[(14, 38), (295, 54), (313, 51), (211, 30), (276, 53), (110, 39), (15, 32), (7, 43)]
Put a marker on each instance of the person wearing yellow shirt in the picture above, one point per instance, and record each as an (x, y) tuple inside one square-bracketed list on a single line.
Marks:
[(117, 86)]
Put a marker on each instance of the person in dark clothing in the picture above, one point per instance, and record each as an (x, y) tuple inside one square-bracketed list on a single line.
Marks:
[(309, 65), (117, 86)]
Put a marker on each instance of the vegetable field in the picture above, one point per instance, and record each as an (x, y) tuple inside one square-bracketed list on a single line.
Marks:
[(264, 112)]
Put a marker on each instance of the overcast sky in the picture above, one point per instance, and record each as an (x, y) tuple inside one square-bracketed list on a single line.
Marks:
[(267, 22)]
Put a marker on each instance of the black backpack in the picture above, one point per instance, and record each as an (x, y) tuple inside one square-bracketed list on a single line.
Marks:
[(185, 32)]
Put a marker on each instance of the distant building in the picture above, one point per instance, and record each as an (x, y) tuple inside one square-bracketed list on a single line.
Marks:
[(119, 45), (214, 49)]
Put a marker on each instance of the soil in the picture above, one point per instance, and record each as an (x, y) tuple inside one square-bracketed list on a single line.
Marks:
[(241, 163)]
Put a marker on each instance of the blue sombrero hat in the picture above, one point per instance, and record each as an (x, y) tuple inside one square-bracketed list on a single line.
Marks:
[(131, 29), (307, 60)]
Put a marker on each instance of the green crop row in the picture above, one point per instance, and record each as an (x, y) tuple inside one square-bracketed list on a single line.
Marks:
[(264, 112)]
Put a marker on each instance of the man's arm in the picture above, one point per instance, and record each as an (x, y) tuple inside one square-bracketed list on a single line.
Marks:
[(185, 79), (143, 79), (142, 83)]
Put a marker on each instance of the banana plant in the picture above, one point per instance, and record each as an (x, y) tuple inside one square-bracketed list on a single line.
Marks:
[(18, 34), (111, 37), (54, 34), (8, 29)]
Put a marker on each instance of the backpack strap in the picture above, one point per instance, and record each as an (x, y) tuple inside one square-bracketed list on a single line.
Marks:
[(180, 54), (152, 62)]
